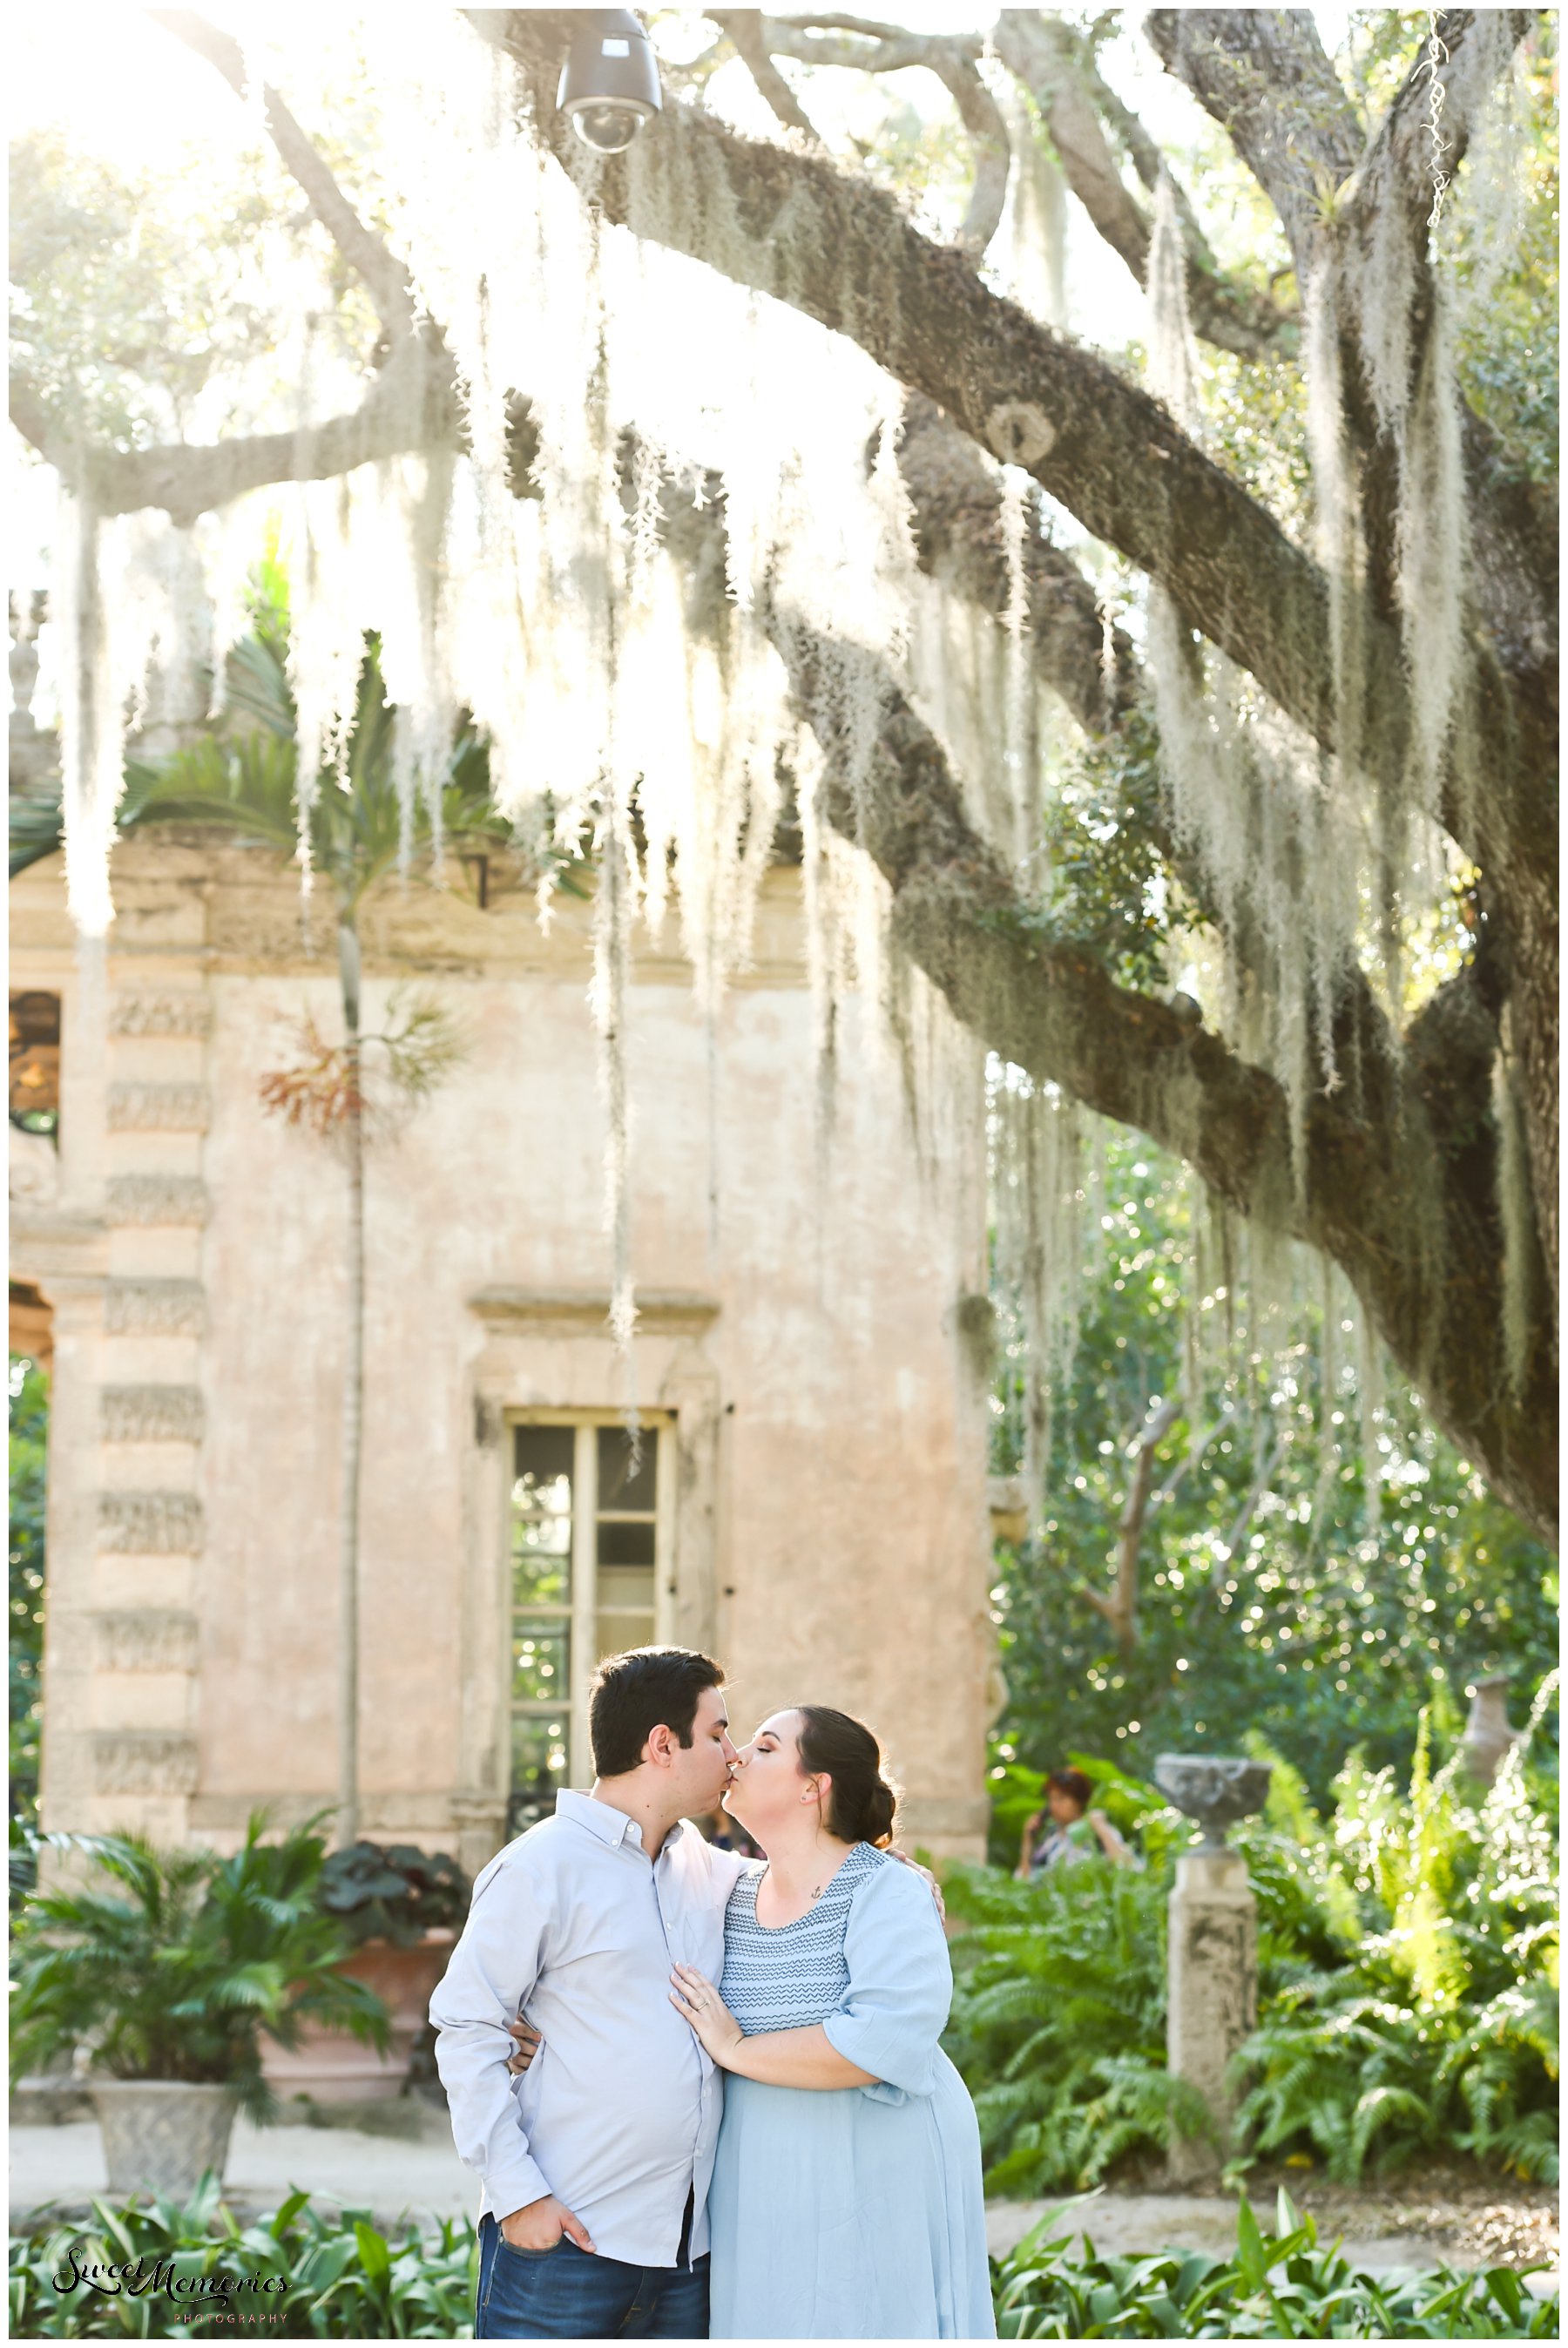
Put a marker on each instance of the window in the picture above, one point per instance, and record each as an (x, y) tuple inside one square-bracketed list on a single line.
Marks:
[(587, 1525), (35, 1063)]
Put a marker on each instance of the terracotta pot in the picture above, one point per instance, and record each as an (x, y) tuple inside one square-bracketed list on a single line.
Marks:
[(331, 2067), (161, 2135)]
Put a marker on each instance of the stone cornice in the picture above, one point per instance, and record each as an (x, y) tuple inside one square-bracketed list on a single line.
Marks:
[(578, 1312)]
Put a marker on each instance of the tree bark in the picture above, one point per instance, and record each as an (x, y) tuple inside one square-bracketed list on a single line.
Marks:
[(1400, 1181), (1120, 1604)]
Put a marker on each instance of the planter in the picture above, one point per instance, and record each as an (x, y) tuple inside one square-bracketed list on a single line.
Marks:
[(332, 2068), (159, 2134)]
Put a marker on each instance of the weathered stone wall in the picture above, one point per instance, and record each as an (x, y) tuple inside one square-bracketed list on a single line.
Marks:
[(808, 1335)]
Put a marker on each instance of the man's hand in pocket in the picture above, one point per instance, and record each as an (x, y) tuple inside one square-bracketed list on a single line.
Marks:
[(540, 2225)]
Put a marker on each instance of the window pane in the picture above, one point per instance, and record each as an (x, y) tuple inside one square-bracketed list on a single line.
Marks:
[(625, 1586), (542, 1458), (619, 1487), (626, 1545), (541, 1515), (539, 1580), (538, 1768), (614, 1633), (538, 1663)]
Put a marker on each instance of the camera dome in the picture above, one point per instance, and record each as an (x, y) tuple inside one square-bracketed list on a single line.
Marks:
[(610, 82)]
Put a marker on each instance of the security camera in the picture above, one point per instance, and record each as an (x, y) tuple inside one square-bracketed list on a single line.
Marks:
[(610, 82)]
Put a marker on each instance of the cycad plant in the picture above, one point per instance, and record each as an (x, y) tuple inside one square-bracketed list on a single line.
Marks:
[(176, 1964), (355, 828)]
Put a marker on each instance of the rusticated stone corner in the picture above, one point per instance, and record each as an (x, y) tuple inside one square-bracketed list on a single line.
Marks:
[(150, 1524), (158, 1109), (144, 1761), (151, 1414), (145, 1199), (161, 1015), (154, 1308), (146, 1639)]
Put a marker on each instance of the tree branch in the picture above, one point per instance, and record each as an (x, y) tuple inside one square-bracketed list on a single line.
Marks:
[(875, 48), (1399, 1164), (1120, 1605), (384, 276), (1037, 50), (1265, 76), (412, 404), (956, 511), (745, 27), (1262, 75), (837, 248)]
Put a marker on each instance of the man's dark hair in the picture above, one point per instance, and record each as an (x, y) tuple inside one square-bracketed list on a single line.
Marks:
[(634, 1694), (1074, 1784)]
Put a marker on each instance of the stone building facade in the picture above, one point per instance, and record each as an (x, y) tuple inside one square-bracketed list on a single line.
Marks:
[(810, 1368)]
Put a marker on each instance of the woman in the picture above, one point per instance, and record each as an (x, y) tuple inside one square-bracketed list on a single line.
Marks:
[(1073, 1835), (846, 2200)]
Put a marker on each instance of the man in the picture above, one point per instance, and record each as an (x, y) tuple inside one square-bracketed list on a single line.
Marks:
[(1073, 1836), (595, 2165)]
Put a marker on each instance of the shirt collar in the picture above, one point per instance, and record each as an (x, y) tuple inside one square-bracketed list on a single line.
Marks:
[(611, 1825)]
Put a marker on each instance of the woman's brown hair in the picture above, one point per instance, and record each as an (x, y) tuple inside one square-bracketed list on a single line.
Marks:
[(862, 1803)]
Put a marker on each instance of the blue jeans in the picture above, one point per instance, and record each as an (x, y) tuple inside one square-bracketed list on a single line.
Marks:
[(566, 2293)]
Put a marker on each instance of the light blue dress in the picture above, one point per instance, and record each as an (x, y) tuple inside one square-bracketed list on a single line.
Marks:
[(849, 2213)]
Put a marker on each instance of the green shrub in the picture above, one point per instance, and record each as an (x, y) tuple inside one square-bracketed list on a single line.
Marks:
[(1432, 2024), (345, 2279), (1278, 2286), (342, 2279), (1407, 1981), (393, 1891), (1058, 2021), (174, 1964)]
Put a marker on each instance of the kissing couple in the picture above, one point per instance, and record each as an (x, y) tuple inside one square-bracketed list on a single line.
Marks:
[(731, 2115)]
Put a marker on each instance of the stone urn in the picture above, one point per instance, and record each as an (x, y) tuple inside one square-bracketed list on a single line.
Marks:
[(1488, 1737), (160, 2136), (332, 2068), (1217, 1790)]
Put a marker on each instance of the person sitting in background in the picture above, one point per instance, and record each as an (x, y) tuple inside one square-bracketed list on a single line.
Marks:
[(1075, 1831)]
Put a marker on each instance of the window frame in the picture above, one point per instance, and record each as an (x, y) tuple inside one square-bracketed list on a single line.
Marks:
[(580, 1614)]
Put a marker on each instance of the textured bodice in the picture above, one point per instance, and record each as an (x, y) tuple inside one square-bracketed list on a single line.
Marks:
[(789, 1978)]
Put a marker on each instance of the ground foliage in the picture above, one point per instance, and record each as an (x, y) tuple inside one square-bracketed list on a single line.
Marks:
[(1281, 2284), (29, 1400), (1373, 1572), (1408, 1965), (346, 2279), (349, 2280)]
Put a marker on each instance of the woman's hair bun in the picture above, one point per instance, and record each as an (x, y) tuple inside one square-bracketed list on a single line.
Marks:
[(862, 1803)]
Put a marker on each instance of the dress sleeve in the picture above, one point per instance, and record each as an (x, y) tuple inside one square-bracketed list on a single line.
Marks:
[(900, 1985)]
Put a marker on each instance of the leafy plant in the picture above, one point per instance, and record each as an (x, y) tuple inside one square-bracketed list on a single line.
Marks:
[(344, 2278), (1407, 1977), (29, 1400), (1434, 2024), (1058, 2022), (381, 1891), (1315, 1562), (178, 1965), (1280, 2286)]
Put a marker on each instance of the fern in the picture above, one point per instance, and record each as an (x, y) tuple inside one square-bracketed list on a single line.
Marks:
[(1408, 1967)]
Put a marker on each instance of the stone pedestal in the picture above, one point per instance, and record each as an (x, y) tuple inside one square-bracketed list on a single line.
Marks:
[(1212, 1992)]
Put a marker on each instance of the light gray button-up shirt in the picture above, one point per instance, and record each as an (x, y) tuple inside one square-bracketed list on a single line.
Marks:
[(620, 2113)]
